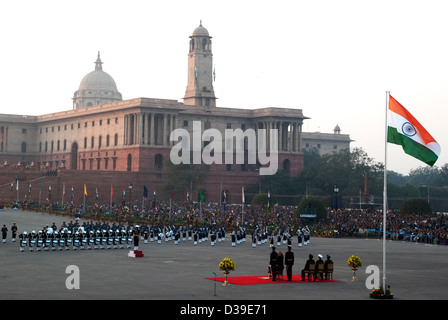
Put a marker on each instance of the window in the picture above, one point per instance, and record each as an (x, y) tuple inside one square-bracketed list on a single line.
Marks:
[(228, 167), (99, 141), (58, 144), (23, 147), (92, 142), (65, 144), (107, 140), (23, 130), (85, 142), (185, 123), (229, 125), (101, 122), (116, 139)]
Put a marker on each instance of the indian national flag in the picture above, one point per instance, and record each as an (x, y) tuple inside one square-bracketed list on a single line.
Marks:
[(403, 129)]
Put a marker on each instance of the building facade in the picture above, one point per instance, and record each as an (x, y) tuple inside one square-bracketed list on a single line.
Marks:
[(104, 141)]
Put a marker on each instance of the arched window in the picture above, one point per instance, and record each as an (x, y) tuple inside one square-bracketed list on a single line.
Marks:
[(158, 161), (286, 165), (129, 163), (23, 147)]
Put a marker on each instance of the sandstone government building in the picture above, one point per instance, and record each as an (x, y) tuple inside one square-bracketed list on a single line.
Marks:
[(105, 141)]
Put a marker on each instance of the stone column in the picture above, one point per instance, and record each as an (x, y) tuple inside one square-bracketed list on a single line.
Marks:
[(152, 134), (164, 131)]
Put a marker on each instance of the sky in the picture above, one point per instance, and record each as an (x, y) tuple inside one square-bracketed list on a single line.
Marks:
[(335, 60)]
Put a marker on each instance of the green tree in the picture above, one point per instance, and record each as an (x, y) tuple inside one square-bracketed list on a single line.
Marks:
[(413, 206), (181, 177)]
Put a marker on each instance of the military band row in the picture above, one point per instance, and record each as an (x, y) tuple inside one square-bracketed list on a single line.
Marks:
[(51, 238)]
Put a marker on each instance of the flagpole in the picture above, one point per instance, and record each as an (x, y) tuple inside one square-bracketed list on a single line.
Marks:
[(385, 194)]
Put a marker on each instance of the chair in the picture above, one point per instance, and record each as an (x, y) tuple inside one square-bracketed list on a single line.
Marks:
[(329, 272), (319, 273), (310, 272)]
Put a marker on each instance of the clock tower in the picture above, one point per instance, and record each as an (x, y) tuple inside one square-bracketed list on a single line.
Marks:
[(199, 90)]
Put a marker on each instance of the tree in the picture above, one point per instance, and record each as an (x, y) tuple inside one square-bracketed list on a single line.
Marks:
[(179, 178), (413, 206)]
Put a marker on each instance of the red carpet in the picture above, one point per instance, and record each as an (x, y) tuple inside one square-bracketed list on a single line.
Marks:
[(248, 280)]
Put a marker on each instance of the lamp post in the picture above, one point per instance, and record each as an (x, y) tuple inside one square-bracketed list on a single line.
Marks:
[(335, 206), (130, 201)]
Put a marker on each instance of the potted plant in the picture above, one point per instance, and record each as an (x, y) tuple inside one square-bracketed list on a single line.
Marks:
[(379, 293), (354, 262), (226, 265)]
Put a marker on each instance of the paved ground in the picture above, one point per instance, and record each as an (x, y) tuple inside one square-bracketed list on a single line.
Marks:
[(178, 272)]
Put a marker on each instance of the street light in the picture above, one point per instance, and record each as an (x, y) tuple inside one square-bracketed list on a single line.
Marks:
[(130, 199)]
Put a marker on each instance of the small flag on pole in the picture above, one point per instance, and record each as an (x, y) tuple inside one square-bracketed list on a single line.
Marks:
[(403, 129), (243, 199), (85, 190), (96, 193), (201, 195), (111, 191)]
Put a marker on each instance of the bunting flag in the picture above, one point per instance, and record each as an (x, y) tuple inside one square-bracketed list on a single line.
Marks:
[(111, 191), (124, 195), (29, 188), (73, 193), (96, 193), (154, 194), (201, 195), (12, 186), (188, 196), (403, 129), (243, 199)]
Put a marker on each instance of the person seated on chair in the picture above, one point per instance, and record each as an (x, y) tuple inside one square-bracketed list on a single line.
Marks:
[(307, 266), (326, 263), (318, 262)]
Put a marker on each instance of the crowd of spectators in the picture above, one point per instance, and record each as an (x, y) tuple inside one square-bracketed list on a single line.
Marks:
[(428, 228)]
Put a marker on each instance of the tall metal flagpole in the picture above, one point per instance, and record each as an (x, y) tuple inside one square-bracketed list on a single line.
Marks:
[(385, 194)]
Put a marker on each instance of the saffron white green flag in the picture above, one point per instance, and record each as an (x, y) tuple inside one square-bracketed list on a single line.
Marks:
[(403, 129)]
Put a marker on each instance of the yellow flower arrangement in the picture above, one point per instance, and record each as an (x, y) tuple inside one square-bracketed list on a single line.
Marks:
[(354, 262), (227, 265)]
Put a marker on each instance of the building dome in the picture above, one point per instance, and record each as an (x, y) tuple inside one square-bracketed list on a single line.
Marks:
[(97, 87), (200, 31)]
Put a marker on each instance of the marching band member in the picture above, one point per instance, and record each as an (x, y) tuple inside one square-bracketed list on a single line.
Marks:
[(32, 240), (40, 240), (14, 232), (136, 235), (97, 239), (23, 238), (48, 240), (299, 237)]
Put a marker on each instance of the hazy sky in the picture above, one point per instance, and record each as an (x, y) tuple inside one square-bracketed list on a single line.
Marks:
[(335, 60)]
